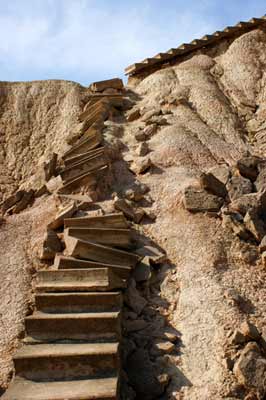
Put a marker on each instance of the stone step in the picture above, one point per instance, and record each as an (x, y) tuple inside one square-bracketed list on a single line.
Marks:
[(100, 86), (78, 302), (97, 116), (106, 236), (78, 280), (88, 178), (83, 166), (89, 134), (96, 252), (66, 361), (85, 389), (80, 157), (99, 326), (114, 99), (63, 262), (91, 139), (99, 108), (113, 221)]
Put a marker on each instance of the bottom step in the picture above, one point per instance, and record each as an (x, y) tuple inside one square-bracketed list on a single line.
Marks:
[(68, 361), (89, 389)]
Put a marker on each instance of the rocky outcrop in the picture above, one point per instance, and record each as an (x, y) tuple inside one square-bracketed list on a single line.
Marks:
[(27, 143), (186, 161)]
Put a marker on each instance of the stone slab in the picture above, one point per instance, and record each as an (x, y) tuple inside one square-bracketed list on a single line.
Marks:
[(106, 236), (100, 86), (114, 221), (96, 252)]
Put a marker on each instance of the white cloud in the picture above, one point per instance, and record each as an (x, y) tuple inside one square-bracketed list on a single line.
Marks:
[(83, 39)]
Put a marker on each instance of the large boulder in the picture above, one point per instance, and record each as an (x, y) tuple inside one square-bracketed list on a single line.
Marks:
[(245, 203), (250, 369), (250, 331), (248, 167), (254, 224), (198, 200), (238, 186), (213, 185), (221, 172), (141, 166)]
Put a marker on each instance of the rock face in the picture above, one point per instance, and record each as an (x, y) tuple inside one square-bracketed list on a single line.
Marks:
[(203, 133), (206, 113), (27, 143)]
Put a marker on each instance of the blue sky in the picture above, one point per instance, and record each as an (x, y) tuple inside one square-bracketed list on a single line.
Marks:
[(88, 40)]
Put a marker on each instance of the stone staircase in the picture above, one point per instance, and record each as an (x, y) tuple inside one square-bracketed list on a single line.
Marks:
[(71, 345)]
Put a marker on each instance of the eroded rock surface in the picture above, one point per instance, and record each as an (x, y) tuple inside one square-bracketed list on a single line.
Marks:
[(36, 118), (217, 103), (202, 115)]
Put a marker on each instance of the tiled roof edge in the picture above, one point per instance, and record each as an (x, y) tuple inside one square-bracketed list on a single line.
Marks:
[(196, 44)]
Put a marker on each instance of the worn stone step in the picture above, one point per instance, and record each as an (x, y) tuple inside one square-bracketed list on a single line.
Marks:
[(100, 108), (75, 280), (66, 361), (106, 236), (96, 252), (91, 139), (83, 166), (97, 326), (88, 178), (90, 107), (114, 99), (78, 302), (113, 221), (98, 115), (85, 389), (91, 153), (114, 83), (64, 262)]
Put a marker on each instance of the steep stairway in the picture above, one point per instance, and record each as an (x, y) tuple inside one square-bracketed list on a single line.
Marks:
[(71, 345)]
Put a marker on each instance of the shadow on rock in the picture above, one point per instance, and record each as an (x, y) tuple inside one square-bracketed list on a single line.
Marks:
[(150, 346)]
